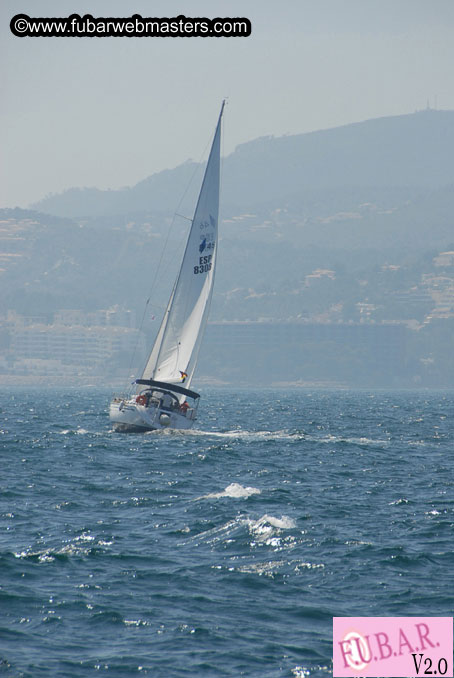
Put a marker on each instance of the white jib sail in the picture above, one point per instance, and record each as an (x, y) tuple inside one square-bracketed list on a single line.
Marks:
[(174, 354)]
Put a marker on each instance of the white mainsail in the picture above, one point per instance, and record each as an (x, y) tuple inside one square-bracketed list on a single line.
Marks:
[(174, 354)]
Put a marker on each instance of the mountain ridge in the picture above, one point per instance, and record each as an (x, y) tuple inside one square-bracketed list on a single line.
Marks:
[(412, 150)]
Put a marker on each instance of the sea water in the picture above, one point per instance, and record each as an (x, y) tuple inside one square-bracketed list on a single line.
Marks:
[(225, 551)]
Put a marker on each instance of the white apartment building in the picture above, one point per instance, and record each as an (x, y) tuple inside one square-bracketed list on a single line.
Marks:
[(73, 340)]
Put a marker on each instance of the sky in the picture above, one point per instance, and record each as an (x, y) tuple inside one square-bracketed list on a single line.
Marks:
[(108, 112)]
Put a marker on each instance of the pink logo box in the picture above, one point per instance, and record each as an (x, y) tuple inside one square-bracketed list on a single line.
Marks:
[(392, 646)]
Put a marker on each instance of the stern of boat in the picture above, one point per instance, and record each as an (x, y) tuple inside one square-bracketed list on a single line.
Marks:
[(146, 414)]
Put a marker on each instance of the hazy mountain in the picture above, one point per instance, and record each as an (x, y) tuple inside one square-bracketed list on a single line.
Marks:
[(323, 222), (374, 157), (271, 264)]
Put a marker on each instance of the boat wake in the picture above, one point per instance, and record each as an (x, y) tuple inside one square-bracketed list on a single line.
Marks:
[(241, 434), (281, 435)]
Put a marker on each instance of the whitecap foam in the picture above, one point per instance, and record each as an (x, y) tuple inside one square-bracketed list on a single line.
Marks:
[(136, 622), (217, 534), (266, 531), (273, 567), (80, 545), (303, 672), (300, 672), (268, 568), (235, 491), (266, 522), (79, 431)]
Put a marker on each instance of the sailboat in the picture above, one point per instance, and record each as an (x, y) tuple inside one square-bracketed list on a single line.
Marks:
[(163, 398)]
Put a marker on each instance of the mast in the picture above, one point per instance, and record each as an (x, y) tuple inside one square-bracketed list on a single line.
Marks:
[(177, 344)]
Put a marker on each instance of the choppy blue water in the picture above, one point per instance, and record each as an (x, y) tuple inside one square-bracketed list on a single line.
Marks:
[(224, 551)]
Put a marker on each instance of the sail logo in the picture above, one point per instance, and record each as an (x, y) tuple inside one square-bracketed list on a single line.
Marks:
[(207, 242)]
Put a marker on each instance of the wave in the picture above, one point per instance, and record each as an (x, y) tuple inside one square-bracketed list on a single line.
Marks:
[(270, 568), (78, 431), (267, 523), (82, 545), (234, 490), (264, 531), (305, 672), (267, 531)]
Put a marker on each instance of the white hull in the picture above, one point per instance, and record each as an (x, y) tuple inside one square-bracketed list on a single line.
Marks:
[(129, 416)]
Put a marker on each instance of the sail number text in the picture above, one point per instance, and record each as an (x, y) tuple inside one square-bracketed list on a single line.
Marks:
[(204, 264)]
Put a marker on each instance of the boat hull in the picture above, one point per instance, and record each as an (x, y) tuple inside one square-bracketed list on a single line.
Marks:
[(130, 417)]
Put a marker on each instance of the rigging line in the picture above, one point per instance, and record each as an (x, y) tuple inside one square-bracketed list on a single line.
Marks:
[(149, 295), (180, 248)]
